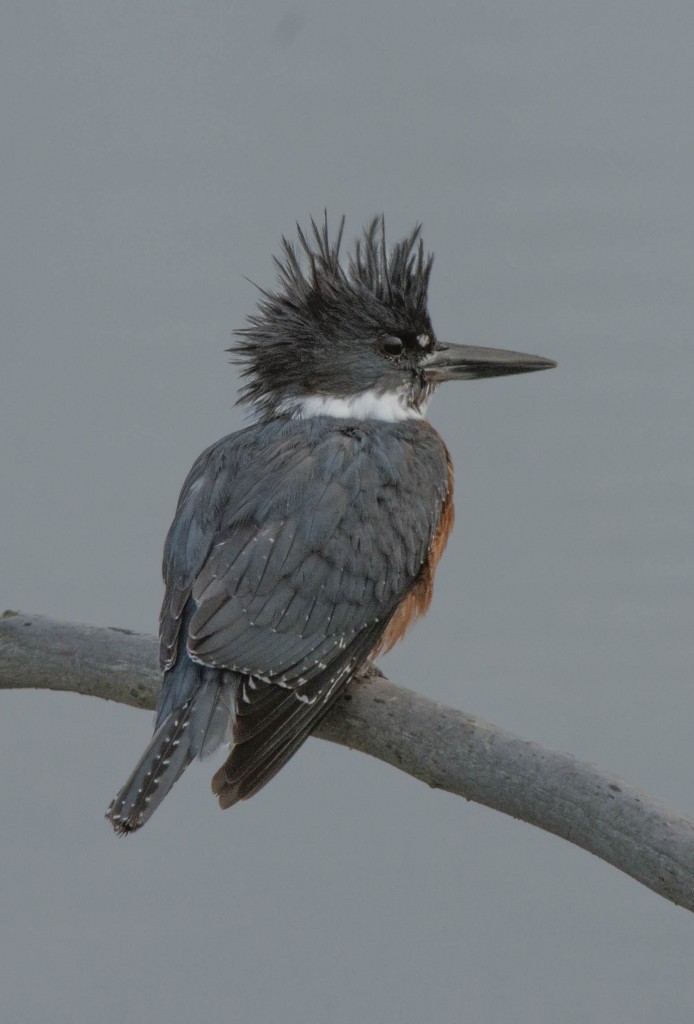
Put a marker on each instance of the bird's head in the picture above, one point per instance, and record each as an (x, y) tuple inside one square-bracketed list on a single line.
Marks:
[(355, 338)]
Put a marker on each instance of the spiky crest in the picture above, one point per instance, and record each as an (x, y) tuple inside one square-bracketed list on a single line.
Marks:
[(321, 302)]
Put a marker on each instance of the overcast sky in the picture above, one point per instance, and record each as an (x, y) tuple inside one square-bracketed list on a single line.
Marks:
[(152, 156)]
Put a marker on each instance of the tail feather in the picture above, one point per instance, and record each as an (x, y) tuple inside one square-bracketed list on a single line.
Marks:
[(258, 753), (195, 729)]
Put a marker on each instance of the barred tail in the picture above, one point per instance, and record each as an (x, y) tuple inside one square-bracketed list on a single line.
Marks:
[(192, 730)]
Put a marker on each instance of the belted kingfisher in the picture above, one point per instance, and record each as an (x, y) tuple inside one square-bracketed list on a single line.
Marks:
[(307, 542)]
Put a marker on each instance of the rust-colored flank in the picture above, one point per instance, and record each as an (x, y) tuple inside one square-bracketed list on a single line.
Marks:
[(417, 602)]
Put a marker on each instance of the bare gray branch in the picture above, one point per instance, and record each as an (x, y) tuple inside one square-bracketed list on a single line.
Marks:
[(443, 747)]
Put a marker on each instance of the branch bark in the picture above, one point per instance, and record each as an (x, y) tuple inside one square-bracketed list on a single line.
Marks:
[(439, 745)]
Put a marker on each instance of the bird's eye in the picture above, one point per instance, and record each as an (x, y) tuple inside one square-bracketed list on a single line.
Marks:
[(392, 345)]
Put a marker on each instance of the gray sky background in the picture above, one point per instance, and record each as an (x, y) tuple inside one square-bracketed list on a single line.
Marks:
[(152, 155)]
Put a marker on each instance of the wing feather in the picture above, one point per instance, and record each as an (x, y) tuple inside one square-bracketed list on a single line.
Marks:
[(291, 549)]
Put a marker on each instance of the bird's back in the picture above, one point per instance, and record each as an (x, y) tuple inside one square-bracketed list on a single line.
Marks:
[(295, 545)]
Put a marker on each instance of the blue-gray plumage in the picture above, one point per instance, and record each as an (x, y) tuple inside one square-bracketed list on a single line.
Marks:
[(308, 541)]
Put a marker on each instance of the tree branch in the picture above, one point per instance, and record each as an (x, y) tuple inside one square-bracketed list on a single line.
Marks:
[(443, 747)]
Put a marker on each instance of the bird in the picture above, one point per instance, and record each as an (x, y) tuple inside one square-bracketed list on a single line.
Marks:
[(306, 543)]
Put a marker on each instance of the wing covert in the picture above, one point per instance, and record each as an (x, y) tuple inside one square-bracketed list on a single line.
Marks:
[(293, 546), (321, 548)]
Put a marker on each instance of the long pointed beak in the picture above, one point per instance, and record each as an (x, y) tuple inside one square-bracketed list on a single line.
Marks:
[(466, 362)]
